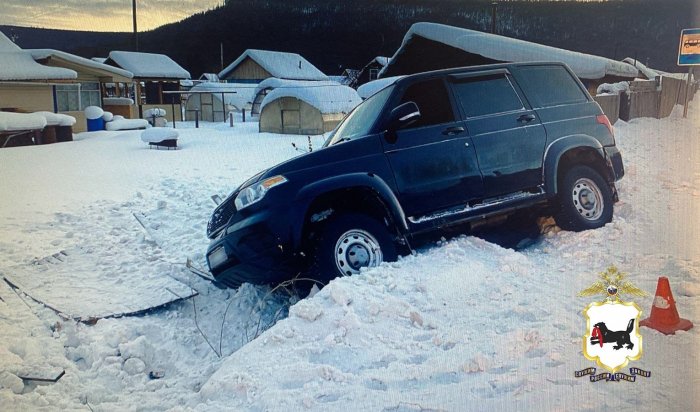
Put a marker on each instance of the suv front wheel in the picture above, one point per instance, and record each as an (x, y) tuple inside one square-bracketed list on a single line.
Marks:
[(585, 200), (349, 242)]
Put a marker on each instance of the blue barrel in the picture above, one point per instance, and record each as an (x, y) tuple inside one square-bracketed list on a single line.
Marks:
[(94, 125)]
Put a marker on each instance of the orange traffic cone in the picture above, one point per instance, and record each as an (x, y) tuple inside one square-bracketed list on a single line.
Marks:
[(664, 315)]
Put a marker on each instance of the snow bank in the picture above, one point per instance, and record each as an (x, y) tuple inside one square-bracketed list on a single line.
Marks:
[(127, 124), (21, 121)]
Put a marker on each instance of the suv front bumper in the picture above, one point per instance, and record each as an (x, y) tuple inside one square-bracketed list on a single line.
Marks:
[(254, 250)]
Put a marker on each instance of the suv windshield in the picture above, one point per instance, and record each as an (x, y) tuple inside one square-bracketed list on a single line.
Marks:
[(359, 122)]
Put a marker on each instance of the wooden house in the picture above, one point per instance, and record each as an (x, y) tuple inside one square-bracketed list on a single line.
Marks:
[(254, 66)]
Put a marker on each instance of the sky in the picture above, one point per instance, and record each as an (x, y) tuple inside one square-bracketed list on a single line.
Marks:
[(99, 15)]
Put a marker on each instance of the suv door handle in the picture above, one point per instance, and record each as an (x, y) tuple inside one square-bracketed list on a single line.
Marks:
[(454, 130), (526, 118)]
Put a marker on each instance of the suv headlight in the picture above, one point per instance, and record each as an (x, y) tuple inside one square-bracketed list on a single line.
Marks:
[(255, 192)]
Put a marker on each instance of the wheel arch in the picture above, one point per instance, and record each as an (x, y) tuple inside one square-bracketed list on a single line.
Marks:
[(356, 192), (569, 151)]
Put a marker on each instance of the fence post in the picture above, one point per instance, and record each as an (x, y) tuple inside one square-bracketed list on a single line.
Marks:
[(687, 92), (243, 111), (196, 119), (172, 110), (230, 118)]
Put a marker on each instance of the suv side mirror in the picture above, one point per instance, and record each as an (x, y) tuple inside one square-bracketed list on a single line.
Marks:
[(400, 117)]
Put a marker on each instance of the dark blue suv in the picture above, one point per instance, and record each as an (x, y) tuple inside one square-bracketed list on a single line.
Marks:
[(427, 152)]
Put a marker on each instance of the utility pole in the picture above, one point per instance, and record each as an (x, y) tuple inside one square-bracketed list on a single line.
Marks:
[(493, 17), (136, 33), (221, 54)]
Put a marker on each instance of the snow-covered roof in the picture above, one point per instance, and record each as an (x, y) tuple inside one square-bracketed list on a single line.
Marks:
[(148, 65), (646, 71), (506, 49), (381, 60), (274, 83), (39, 54), (370, 88), (242, 97), (279, 64), (326, 98), (17, 64), (99, 59), (209, 77)]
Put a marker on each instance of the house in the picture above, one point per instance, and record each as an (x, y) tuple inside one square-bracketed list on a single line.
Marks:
[(50, 80), (154, 74), (254, 66), (306, 109), (90, 88), (209, 77), (431, 46), (369, 72), (211, 102), (25, 85)]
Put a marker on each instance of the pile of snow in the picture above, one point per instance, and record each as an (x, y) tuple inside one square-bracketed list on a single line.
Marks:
[(154, 112), (107, 116), (274, 83), (117, 101), (93, 112), (148, 65), (127, 124), (158, 134), (649, 73), (57, 119), (506, 49), (462, 325), (370, 88), (326, 98), (279, 64), (21, 121), (612, 88)]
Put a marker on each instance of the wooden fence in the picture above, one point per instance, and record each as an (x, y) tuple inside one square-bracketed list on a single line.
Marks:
[(652, 98), (610, 103)]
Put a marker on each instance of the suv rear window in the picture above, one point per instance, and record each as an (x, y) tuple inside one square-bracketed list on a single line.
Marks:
[(547, 86), (485, 95)]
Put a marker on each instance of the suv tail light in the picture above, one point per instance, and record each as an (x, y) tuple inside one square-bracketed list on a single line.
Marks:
[(603, 119)]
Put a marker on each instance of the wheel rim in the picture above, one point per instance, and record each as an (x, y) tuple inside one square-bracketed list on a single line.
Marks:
[(588, 199), (356, 249)]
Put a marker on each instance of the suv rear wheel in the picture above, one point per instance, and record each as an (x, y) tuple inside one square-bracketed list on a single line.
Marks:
[(585, 200), (349, 242)]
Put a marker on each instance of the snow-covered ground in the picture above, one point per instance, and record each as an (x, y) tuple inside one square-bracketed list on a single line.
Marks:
[(463, 325)]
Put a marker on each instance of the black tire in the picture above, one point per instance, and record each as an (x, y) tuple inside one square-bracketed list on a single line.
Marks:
[(361, 233), (585, 200)]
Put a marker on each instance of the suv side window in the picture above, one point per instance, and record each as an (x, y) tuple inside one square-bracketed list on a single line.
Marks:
[(432, 100), (485, 95), (547, 86)]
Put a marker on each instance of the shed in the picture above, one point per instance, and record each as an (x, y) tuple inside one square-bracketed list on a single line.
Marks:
[(214, 100), (306, 110), (431, 46), (267, 85), (153, 74), (254, 66)]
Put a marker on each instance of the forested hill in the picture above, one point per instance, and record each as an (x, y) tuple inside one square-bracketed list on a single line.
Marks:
[(346, 34)]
